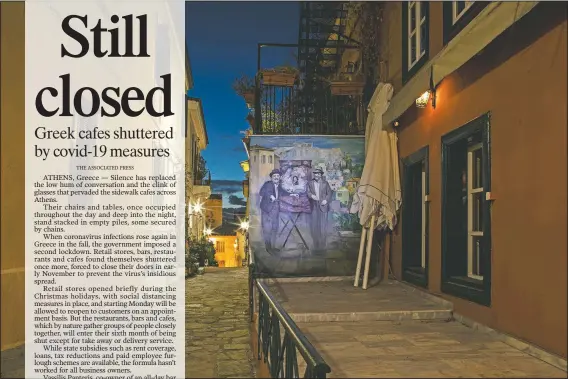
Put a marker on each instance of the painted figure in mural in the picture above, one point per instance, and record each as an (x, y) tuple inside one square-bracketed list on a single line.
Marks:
[(294, 182), (270, 194), (321, 195)]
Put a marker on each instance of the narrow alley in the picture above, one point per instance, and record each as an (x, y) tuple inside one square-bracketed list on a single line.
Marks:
[(217, 325)]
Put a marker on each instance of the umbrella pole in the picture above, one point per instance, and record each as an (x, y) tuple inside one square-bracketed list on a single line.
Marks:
[(386, 257), (368, 256), (360, 257)]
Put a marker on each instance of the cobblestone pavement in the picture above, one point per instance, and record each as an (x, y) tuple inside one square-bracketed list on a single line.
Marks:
[(217, 325), (13, 362), (217, 328)]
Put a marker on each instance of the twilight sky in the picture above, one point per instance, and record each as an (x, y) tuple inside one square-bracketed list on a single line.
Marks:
[(222, 41)]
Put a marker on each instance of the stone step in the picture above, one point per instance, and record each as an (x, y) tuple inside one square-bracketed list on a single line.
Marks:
[(441, 315)]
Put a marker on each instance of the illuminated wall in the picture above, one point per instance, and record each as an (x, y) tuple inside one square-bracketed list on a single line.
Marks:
[(296, 235)]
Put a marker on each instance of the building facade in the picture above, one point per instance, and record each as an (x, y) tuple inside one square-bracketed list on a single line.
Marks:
[(198, 185), (214, 211), (483, 222), (228, 246)]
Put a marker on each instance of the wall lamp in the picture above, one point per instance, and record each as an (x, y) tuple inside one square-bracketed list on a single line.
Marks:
[(422, 101)]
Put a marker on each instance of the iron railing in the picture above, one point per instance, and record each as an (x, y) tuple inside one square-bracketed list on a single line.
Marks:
[(308, 106), (280, 354), (202, 182), (284, 110)]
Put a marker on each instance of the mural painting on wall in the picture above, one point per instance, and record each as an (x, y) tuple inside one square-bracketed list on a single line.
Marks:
[(301, 188)]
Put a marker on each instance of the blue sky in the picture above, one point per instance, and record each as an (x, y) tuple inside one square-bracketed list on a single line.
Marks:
[(222, 40)]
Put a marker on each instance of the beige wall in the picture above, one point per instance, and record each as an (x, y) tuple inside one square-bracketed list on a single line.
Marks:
[(214, 212), (521, 79), (12, 110)]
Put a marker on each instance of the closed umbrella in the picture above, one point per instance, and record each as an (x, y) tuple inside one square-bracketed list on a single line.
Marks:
[(378, 196)]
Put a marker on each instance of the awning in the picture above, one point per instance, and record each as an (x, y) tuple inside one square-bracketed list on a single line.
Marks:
[(493, 20)]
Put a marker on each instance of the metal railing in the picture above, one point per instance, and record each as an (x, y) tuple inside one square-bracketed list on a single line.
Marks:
[(286, 110), (202, 182), (280, 354), (308, 106)]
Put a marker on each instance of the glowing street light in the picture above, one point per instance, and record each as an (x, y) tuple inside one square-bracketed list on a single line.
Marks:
[(244, 225), (197, 207), (208, 232)]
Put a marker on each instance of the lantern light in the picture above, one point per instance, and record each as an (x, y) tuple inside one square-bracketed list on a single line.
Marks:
[(422, 101)]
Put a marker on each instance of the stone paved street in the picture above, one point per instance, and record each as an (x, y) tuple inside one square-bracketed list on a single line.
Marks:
[(217, 328), (420, 349), (217, 325)]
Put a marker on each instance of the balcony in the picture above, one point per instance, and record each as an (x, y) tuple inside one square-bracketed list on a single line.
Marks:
[(202, 182), (300, 99), (325, 88), (289, 101), (201, 189)]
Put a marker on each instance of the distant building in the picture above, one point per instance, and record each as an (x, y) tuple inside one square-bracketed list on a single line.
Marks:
[(228, 248), (342, 195), (214, 211), (267, 160)]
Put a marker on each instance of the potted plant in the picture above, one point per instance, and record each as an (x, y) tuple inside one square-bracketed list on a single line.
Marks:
[(284, 76), (191, 258), (245, 86), (198, 250), (346, 83)]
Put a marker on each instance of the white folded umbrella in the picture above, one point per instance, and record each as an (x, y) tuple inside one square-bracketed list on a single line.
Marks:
[(379, 191), (378, 195)]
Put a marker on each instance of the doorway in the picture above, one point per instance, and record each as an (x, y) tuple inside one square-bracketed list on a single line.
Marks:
[(415, 219)]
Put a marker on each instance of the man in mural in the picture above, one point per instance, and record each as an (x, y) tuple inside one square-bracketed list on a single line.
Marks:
[(270, 194), (321, 195)]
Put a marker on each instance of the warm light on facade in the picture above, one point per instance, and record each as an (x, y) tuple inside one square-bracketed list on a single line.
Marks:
[(422, 101)]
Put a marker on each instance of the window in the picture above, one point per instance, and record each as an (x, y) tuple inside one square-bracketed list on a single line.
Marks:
[(220, 246), (270, 159), (457, 14), (415, 33), (458, 9), (254, 158), (474, 211), (415, 218), (263, 159), (466, 218)]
